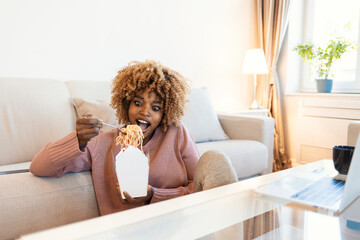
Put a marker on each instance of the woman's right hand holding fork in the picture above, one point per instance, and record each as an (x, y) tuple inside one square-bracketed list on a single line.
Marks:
[(87, 127)]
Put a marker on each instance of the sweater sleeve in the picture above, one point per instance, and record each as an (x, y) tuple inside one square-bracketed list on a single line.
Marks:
[(190, 156), (60, 157), (161, 194)]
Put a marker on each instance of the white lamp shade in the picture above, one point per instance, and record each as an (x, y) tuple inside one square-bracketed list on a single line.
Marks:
[(255, 62)]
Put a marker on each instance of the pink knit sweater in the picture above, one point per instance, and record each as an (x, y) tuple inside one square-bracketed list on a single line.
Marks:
[(173, 158)]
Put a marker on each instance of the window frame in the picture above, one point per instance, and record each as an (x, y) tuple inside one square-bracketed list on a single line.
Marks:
[(308, 84)]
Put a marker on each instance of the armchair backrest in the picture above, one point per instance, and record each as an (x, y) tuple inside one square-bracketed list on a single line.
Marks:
[(353, 133)]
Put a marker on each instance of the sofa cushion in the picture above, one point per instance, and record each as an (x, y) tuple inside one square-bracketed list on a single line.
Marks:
[(201, 118), (34, 112), (247, 156), (99, 109), (17, 167), (29, 203), (93, 97)]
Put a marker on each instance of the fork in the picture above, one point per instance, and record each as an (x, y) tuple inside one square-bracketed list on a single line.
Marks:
[(104, 123), (113, 126)]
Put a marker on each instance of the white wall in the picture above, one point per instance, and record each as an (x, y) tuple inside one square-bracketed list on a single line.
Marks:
[(205, 40)]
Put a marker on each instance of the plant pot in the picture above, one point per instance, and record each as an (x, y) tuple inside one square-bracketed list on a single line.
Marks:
[(324, 85)]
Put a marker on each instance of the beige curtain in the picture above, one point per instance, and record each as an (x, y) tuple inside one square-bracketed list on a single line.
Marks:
[(272, 17)]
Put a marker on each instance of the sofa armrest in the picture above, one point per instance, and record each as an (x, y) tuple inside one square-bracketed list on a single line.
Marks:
[(353, 133), (249, 127), (29, 203)]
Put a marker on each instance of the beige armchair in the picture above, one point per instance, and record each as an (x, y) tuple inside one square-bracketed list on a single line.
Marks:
[(353, 133)]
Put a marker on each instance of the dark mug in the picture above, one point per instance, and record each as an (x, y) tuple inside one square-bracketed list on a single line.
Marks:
[(342, 156)]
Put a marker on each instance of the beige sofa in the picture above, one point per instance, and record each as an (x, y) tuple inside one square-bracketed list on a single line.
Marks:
[(37, 111)]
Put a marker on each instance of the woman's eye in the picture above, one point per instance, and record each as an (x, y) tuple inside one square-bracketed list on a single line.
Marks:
[(137, 103), (156, 108)]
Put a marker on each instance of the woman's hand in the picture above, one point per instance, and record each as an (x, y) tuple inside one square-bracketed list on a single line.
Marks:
[(87, 128), (145, 200)]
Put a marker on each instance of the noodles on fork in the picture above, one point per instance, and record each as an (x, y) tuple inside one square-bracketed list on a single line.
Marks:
[(132, 135)]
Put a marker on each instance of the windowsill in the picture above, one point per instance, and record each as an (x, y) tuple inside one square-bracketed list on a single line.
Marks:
[(316, 94)]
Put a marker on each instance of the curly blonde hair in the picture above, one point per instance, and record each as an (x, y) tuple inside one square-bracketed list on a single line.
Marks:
[(170, 86)]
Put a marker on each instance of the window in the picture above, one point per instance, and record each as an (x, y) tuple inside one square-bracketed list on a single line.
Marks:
[(324, 20)]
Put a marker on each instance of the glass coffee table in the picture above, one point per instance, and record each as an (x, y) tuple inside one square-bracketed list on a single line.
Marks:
[(234, 211)]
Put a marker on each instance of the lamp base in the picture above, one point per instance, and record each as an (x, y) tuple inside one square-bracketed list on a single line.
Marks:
[(255, 105)]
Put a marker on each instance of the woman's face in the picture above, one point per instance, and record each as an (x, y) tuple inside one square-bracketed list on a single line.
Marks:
[(146, 111)]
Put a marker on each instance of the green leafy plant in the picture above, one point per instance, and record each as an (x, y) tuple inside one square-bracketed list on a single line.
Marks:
[(322, 58)]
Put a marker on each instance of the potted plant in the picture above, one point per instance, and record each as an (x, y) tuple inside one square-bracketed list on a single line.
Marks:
[(322, 58)]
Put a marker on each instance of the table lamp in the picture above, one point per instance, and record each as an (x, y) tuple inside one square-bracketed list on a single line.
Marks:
[(255, 63)]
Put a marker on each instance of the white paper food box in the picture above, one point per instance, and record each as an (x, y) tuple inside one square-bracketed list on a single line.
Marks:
[(132, 170)]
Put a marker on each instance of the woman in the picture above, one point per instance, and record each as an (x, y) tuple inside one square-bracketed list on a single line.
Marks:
[(153, 97)]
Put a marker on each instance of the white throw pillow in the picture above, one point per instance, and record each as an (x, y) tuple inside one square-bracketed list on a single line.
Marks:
[(201, 119), (98, 108)]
